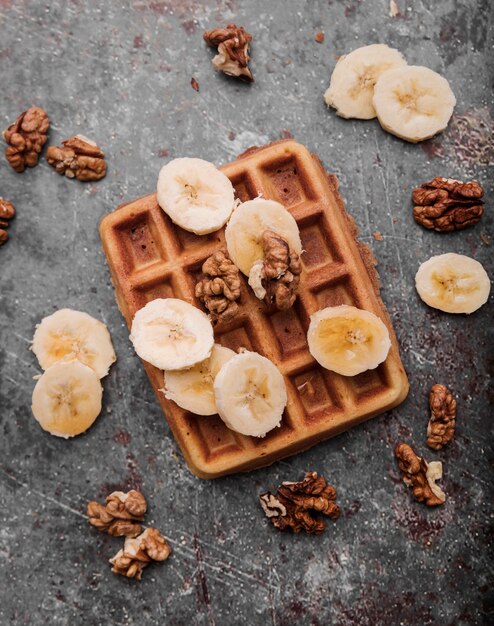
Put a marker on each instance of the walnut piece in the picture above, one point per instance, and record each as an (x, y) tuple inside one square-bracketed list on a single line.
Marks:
[(420, 475), (276, 279), (7, 212), (446, 204), (291, 505), (441, 426), (138, 552), (121, 515), (220, 288), (78, 157), (26, 138), (233, 50)]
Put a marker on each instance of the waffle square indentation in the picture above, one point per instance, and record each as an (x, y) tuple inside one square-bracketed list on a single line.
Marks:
[(282, 181), (141, 243), (314, 395), (340, 291), (162, 288), (245, 188), (289, 331), (370, 383), (217, 440), (319, 249)]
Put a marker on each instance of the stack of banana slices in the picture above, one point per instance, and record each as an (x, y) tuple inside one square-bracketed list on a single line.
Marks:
[(246, 390), (75, 351), (411, 102)]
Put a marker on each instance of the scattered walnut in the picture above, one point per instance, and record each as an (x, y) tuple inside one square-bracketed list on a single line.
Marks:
[(26, 138), (78, 157), (378, 236), (319, 37), (275, 280), (121, 515), (194, 84), (441, 426), (233, 50), (486, 240), (446, 204), (220, 288), (420, 475), (7, 212), (291, 505), (138, 552)]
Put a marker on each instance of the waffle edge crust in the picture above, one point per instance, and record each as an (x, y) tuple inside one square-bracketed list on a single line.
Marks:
[(149, 257)]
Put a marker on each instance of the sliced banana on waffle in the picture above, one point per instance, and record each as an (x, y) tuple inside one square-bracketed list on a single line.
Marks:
[(67, 398), (354, 76), (413, 102), (69, 334), (195, 195), (171, 334), (347, 340), (250, 394), (192, 389), (244, 231), (453, 283)]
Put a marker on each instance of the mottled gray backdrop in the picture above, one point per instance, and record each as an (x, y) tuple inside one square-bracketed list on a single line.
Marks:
[(120, 72)]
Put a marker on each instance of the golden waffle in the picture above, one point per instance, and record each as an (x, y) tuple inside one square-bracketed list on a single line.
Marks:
[(150, 257)]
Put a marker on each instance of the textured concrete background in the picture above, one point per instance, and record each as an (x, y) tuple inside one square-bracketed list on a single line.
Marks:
[(119, 72)]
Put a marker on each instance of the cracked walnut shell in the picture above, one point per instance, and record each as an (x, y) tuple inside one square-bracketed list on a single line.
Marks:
[(291, 505), (138, 552), (233, 50), (121, 515), (446, 204), (78, 157), (420, 475), (25, 138), (441, 426), (220, 288)]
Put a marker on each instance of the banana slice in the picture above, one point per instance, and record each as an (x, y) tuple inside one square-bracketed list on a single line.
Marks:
[(195, 195), (250, 394), (413, 102), (453, 283), (67, 398), (192, 389), (354, 76), (347, 340), (171, 334), (244, 230), (69, 334)]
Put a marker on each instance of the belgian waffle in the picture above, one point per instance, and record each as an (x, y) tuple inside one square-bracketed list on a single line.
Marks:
[(149, 257)]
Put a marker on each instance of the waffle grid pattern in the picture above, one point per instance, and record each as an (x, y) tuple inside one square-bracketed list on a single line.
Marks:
[(149, 257)]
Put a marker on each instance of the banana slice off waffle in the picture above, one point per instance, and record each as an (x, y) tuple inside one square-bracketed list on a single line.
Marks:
[(150, 257)]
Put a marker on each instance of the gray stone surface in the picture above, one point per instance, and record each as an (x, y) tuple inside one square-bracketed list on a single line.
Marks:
[(120, 73)]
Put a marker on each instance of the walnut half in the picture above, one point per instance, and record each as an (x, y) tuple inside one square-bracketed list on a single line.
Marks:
[(78, 157), (441, 426), (122, 514), (219, 289), (7, 212), (25, 138), (291, 505), (420, 475), (446, 204), (233, 50), (276, 279), (138, 552)]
